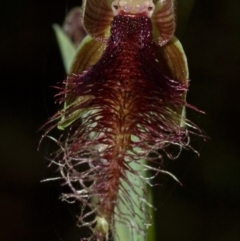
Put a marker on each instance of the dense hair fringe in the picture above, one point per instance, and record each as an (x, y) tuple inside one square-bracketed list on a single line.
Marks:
[(90, 146)]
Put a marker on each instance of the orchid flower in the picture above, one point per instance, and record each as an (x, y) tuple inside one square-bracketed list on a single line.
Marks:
[(124, 105)]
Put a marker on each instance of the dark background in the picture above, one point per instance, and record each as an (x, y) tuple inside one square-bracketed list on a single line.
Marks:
[(206, 208)]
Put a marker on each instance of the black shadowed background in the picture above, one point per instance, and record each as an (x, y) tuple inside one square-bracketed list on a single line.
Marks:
[(206, 208)]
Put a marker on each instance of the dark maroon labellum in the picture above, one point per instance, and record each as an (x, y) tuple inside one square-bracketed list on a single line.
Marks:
[(128, 107)]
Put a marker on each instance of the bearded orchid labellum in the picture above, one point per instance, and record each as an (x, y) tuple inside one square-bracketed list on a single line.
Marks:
[(125, 99)]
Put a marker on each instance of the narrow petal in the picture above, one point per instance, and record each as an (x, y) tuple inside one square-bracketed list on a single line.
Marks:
[(163, 20), (97, 16), (173, 62), (88, 54)]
